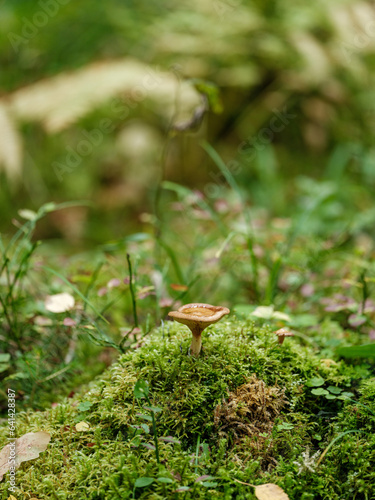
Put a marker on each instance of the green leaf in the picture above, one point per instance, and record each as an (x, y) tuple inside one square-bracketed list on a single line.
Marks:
[(304, 320), (145, 417), (146, 428), (320, 392), (138, 237), (84, 406), (206, 449), (155, 409), (334, 390), (164, 480), (204, 478), (3, 367), (243, 310), (285, 426), (48, 207), (18, 375), (141, 389), (212, 92), (142, 482), (208, 484), (4, 357), (346, 395), (263, 312), (27, 214), (315, 382), (149, 446), (357, 351), (331, 396), (169, 439), (136, 442)]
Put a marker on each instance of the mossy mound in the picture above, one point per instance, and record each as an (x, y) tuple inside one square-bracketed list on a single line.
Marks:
[(210, 405)]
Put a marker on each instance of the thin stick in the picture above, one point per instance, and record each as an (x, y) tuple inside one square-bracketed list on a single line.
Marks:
[(241, 482)]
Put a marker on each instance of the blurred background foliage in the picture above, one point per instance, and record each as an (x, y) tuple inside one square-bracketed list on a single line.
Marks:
[(295, 86)]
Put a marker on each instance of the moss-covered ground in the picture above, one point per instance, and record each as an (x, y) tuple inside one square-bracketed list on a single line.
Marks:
[(248, 409)]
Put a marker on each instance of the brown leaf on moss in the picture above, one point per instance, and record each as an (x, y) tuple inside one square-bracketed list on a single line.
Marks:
[(270, 491)]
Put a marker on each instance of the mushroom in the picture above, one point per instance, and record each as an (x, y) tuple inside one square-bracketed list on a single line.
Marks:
[(197, 317), (282, 333)]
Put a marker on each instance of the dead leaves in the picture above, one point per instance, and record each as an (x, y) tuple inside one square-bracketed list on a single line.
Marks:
[(60, 302), (267, 491), (270, 491), (82, 426), (27, 448)]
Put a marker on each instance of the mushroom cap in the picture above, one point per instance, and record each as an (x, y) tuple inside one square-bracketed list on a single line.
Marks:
[(284, 332), (198, 316)]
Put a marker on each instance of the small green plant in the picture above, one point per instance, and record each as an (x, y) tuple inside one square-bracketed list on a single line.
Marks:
[(41, 344), (332, 392), (141, 390)]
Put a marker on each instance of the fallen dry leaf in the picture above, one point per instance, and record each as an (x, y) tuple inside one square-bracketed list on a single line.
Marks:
[(11, 497), (270, 491), (61, 302), (28, 447)]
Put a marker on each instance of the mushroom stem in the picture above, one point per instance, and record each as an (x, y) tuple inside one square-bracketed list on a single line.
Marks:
[(280, 339), (196, 342)]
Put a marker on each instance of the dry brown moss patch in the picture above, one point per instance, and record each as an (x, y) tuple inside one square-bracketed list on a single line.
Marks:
[(250, 410)]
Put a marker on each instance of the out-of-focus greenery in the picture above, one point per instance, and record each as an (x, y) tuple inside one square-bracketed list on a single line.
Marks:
[(312, 64)]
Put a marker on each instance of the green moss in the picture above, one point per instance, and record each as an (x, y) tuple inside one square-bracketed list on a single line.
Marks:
[(104, 462)]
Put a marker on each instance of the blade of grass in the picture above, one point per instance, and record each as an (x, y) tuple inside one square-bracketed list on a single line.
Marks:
[(249, 229), (184, 192), (332, 443), (106, 341), (132, 293), (92, 281), (174, 261), (361, 404), (197, 453), (273, 281)]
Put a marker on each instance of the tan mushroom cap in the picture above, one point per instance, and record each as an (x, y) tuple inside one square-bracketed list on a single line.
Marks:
[(197, 317), (282, 333), (199, 314)]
